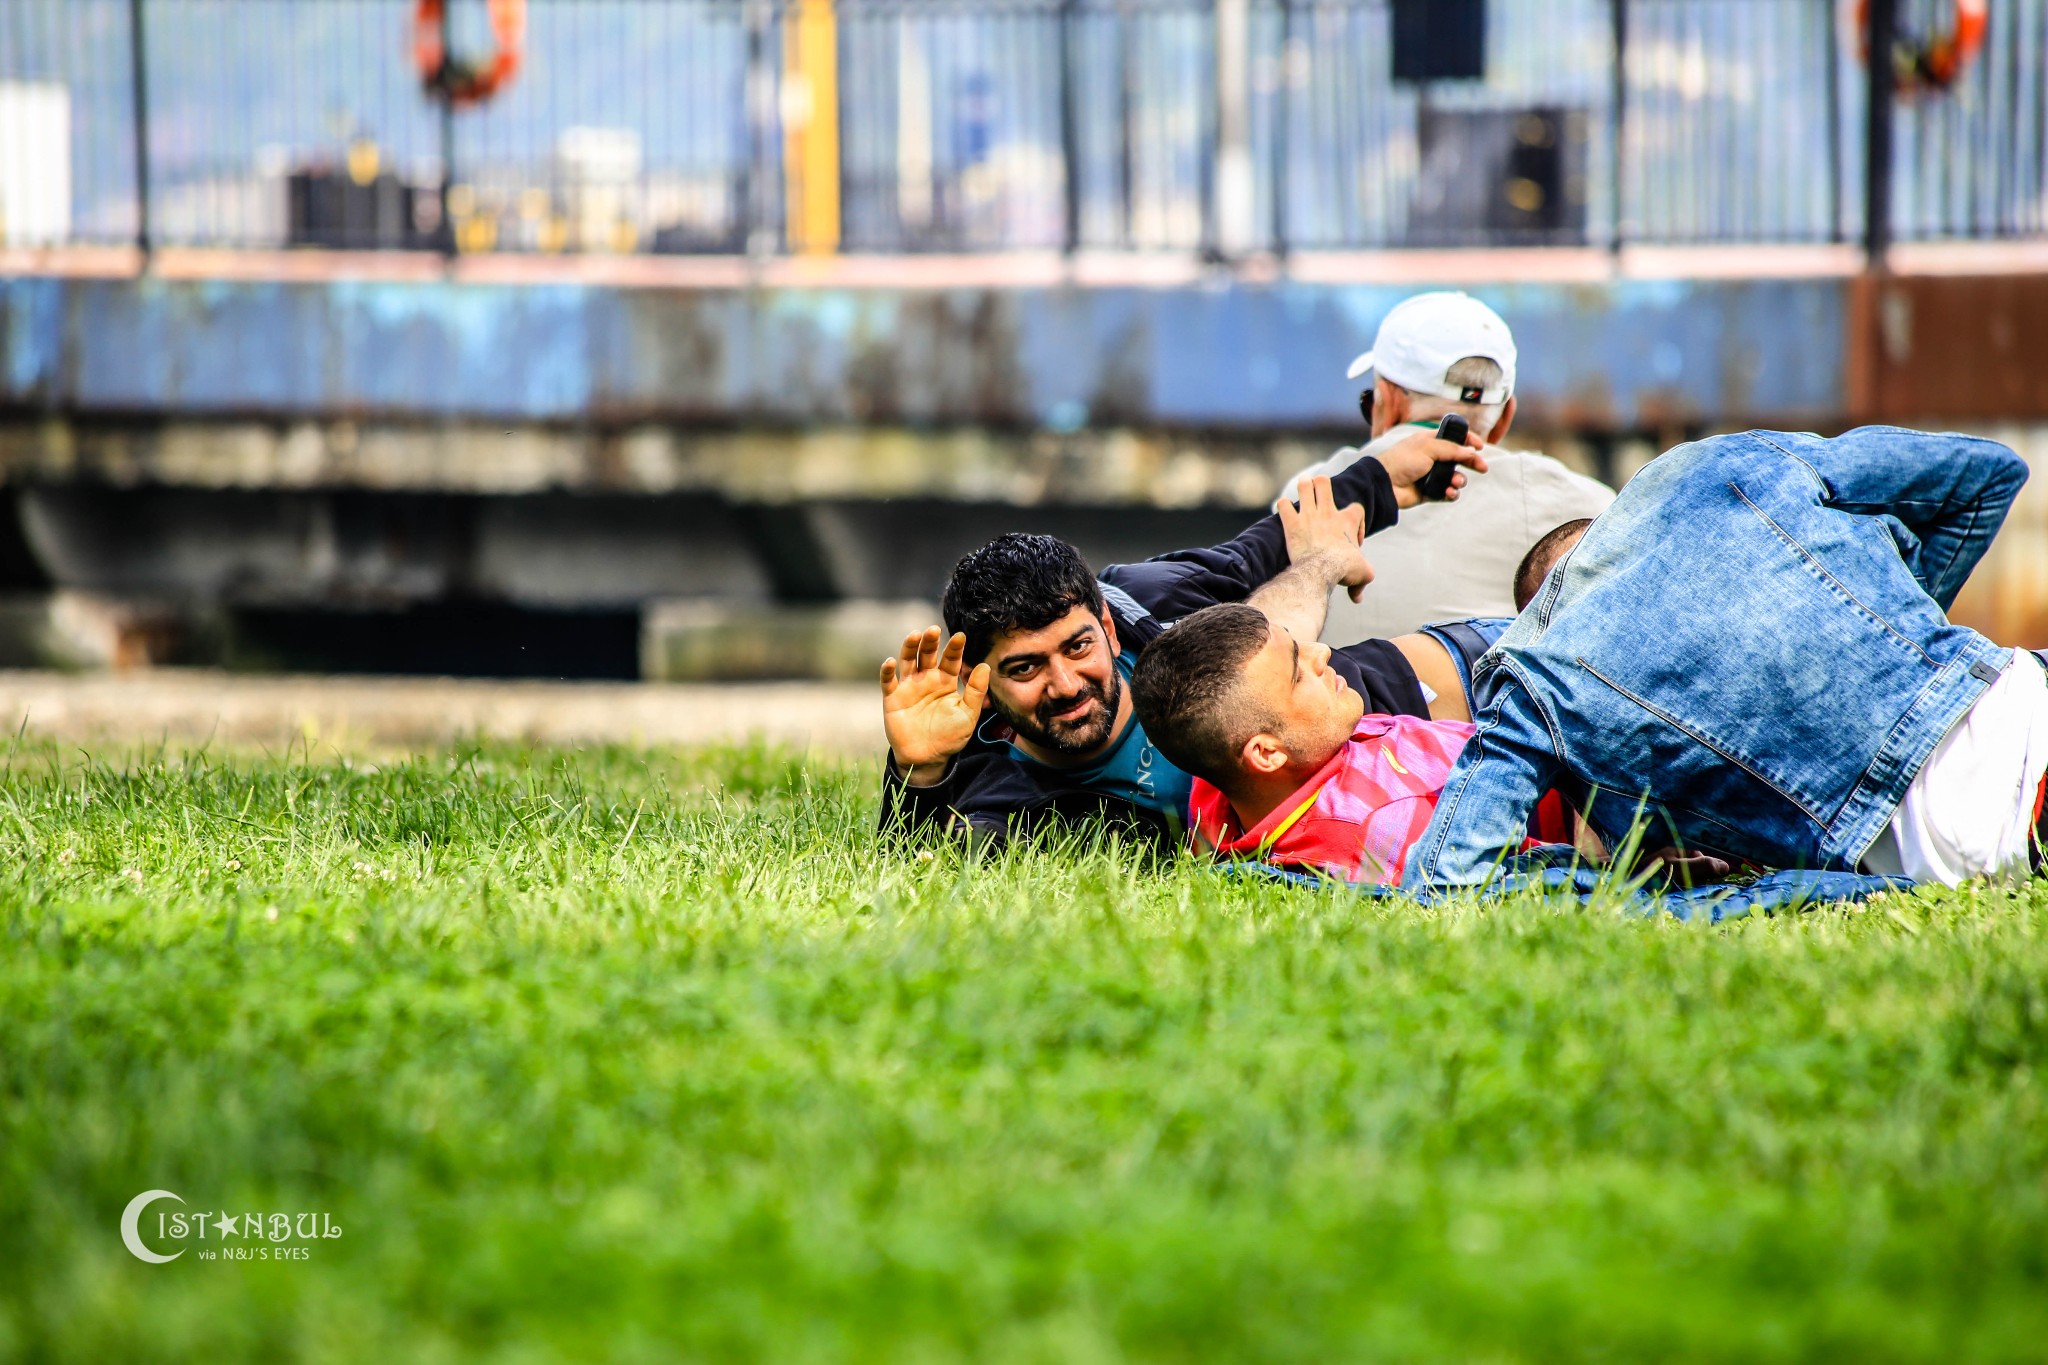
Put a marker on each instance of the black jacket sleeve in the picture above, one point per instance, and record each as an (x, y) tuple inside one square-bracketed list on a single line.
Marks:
[(1181, 583), (988, 797), (944, 808)]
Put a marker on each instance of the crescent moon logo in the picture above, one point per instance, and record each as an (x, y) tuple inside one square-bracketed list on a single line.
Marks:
[(131, 1216)]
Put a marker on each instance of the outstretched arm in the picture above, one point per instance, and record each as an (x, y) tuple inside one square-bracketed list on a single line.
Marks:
[(1951, 491), (1178, 584), (1322, 547)]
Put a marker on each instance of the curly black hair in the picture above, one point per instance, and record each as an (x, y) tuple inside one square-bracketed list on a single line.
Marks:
[(1016, 582)]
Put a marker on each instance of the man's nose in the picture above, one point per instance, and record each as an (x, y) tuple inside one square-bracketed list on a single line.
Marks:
[(1319, 656), (1066, 680)]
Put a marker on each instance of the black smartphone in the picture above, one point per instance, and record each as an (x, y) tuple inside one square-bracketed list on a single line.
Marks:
[(1437, 481)]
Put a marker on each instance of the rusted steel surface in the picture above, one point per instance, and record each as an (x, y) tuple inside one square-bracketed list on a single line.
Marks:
[(2007, 595), (1624, 354), (1953, 346)]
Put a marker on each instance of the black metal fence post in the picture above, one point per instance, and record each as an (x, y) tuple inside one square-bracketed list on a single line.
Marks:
[(1620, 97), (753, 214), (1208, 142), (1879, 34), (1070, 133), (1283, 115), (449, 245), (1837, 229), (138, 81), (1126, 95)]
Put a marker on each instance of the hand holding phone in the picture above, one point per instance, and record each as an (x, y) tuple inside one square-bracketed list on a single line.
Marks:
[(1437, 482)]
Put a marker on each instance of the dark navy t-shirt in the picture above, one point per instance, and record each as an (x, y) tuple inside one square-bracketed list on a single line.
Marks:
[(1133, 770)]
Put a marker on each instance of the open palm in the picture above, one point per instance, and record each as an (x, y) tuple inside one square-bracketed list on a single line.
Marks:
[(926, 714)]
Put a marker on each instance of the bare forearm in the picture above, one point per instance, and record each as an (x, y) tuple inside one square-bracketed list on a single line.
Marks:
[(1298, 597)]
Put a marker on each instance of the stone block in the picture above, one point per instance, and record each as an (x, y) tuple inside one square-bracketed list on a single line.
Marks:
[(26, 637), (74, 630)]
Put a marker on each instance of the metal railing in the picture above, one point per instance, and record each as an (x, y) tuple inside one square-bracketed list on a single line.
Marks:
[(942, 125)]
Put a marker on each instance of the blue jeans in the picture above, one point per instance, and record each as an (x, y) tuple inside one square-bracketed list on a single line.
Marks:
[(1753, 639)]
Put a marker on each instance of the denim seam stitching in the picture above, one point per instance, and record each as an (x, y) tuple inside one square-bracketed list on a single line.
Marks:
[(1435, 853), (1962, 542), (1549, 721), (1828, 579), (1864, 784), (1976, 510), (1553, 586), (1800, 460), (1703, 738)]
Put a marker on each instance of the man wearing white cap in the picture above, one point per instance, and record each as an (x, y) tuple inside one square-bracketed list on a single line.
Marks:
[(1436, 354)]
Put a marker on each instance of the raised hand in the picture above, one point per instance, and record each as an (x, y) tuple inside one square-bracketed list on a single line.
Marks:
[(1323, 538), (926, 714), (1408, 462)]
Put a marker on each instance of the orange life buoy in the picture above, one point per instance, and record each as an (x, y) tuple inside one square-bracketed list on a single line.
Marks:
[(461, 82), (1934, 63)]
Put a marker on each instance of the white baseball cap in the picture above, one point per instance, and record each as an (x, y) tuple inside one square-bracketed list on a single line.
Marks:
[(1425, 335)]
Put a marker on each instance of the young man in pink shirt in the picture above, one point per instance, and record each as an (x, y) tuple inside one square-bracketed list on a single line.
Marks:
[(1288, 767)]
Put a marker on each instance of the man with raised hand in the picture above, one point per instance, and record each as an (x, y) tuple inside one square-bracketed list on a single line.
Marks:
[(1291, 764), (1016, 716), (1436, 354)]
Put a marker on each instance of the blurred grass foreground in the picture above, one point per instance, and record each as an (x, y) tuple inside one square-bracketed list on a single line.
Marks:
[(609, 1056)]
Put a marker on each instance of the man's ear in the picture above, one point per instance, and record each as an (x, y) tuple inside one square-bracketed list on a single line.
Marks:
[(1262, 755), (1109, 632), (1389, 405), (1500, 428)]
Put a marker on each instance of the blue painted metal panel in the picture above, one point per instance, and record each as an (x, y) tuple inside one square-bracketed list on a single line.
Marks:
[(1625, 354), (31, 339)]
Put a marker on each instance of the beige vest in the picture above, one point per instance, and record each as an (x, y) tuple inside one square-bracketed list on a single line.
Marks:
[(1447, 561)]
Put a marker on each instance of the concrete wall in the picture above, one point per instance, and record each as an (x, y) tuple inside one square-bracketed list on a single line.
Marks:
[(277, 443)]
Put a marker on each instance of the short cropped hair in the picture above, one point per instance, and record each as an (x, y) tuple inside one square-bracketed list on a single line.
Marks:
[(1473, 372), (1189, 693), (1016, 582), (1542, 556)]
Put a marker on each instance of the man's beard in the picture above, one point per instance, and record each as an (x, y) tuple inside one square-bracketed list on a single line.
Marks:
[(1075, 736)]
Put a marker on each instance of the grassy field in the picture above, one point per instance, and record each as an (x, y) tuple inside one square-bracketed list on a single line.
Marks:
[(603, 1056)]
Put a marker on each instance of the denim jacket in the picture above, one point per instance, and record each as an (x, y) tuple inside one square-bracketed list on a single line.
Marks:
[(1751, 643)]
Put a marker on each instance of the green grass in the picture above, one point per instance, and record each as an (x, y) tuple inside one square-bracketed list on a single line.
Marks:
[(603, 1056)]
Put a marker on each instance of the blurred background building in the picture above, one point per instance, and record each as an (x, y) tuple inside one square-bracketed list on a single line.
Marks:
[(697, 337)]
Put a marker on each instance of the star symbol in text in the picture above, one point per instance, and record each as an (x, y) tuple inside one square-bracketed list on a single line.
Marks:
[(227, 1225)]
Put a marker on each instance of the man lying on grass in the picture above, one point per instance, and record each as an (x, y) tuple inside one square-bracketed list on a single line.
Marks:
[(1042, 731), (1753, 639), (1291, 764)]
